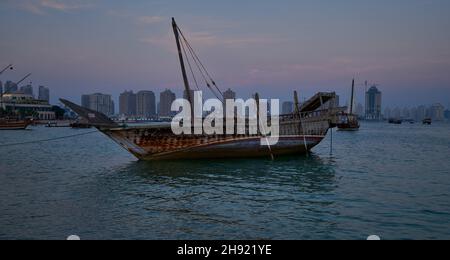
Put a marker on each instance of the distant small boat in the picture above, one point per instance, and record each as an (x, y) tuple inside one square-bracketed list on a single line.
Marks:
[(79, 125), (14, 124), (395, 121), (427, 121), (349, 121)]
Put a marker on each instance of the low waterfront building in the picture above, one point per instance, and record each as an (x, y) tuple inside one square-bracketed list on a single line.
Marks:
[(26, 106)]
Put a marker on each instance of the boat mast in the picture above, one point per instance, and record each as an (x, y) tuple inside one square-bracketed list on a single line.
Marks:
[(353, 97), (183, 68)]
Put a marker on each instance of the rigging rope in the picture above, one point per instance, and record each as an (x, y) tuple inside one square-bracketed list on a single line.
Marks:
[(184, 42), (47, 140), (200, 65), (190, 67)]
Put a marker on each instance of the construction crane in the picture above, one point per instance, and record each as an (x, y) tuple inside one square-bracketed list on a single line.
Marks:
[(24, 78), (9, 67)]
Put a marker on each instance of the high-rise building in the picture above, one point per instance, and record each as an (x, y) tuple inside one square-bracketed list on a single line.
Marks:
[(359, 110), (99, 102), (146, 104), (421, 113), (447, 114), (44, 94), (437, 112), (396, 113), (127, 103), (373, 104), (10, 87), (228, 95), (166, 98), (27, 90), (406, 113), (387, 113), (287, 108), (413, 113)]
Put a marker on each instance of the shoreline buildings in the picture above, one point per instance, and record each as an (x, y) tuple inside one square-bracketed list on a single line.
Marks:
[(27, 106)]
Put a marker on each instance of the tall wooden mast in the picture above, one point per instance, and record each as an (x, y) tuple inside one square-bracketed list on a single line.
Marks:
[(352, 100), (183, 68)]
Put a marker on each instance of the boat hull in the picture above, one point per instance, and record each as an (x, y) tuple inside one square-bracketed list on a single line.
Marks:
[(201, 147), (348, 127), (240, 149), (14, 125)]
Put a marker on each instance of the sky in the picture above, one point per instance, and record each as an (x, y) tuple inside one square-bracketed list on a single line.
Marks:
[(270, 47)]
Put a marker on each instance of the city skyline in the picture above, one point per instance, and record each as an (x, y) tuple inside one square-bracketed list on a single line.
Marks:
[(272, 48)]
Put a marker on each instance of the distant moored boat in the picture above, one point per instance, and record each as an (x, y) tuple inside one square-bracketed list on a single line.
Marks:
[(349, 122), (427, 121), (14, 124), (395, 121)]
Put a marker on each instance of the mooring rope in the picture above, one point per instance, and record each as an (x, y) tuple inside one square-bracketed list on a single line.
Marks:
[(47, 140)]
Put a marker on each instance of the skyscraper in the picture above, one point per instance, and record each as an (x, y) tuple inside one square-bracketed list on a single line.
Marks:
[(146, 104), (447, 114), (127, 103), (437, 112), (287, 108), (99, 102), (228, 95), (10, 87), (166, 99), (373, 104), (44, 94), (387, 113), (421, 113), (28, 90), (359, 110)]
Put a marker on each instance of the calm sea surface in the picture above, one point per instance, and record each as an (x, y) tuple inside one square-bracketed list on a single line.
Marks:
[(388, 180)]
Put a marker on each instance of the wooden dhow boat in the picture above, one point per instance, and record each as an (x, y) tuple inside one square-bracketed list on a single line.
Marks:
[(299, 131)]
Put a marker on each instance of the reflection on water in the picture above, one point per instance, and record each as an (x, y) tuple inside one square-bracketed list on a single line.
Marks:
[(308, 174)]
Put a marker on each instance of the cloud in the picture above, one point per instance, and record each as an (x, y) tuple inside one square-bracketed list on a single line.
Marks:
[(150, 19), (206, 39), (41, 7)]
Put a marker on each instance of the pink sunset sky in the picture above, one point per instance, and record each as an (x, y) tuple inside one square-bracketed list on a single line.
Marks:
[(273, 47)]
